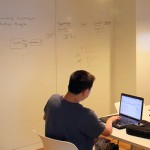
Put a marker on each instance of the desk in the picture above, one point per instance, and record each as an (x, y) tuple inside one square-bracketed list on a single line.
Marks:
[(133, 140)]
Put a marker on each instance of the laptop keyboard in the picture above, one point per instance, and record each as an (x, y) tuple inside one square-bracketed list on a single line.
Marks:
[(126, 121)]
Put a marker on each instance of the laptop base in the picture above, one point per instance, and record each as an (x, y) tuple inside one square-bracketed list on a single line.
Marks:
[(115, 124)]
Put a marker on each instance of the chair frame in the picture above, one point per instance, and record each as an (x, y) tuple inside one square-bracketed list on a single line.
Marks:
[(53, 144)]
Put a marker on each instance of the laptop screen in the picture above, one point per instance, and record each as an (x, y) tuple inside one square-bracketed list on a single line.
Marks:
[(131, 106)]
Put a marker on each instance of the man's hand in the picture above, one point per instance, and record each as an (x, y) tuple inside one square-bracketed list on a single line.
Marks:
[(108, 127)]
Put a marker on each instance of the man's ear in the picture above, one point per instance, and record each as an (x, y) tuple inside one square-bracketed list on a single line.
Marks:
[(86, 92)]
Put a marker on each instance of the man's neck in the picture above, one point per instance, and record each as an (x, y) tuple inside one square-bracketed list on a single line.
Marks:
[(73, 98)]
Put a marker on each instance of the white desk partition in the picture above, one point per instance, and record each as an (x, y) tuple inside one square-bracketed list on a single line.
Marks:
[(117, 105), (146, 113)]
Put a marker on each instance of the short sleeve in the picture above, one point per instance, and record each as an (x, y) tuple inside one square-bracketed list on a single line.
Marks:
[(55, 98)]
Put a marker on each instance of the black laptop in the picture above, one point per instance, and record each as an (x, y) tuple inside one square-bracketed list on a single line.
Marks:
[(131, 109)]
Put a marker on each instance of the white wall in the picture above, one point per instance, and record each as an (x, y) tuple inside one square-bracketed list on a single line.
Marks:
[(130, 56), (123, 54), (27, 69), (143, 49)]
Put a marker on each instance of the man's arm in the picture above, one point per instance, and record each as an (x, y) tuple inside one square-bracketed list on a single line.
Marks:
[(108, 126)]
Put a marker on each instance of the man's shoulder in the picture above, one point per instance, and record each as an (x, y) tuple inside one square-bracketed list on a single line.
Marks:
[(56, 96)]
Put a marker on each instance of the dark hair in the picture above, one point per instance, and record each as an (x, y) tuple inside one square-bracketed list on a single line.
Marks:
[(79, 81)]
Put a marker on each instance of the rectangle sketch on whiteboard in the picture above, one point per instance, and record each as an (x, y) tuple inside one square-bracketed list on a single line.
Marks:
[(21, 43)]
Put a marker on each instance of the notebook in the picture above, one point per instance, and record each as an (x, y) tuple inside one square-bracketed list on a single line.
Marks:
[(131, 109)]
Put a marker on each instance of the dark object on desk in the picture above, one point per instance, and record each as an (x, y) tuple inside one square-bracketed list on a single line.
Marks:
[(105, 144), (142, 130)]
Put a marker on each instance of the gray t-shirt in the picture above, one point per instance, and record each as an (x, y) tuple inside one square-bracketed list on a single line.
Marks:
[(71, 122)]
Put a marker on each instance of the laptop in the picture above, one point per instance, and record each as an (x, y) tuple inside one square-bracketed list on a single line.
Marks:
[(131, 109)]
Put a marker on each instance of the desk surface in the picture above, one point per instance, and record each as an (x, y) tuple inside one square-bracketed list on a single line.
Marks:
[(135, 141)]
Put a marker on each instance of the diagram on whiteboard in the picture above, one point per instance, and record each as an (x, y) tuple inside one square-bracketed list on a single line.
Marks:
[(88, 55), (22, 43)]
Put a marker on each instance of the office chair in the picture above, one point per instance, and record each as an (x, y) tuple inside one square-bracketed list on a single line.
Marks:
[(52, 144)]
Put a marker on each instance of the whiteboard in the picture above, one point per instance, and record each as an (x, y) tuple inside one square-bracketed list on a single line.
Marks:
[(83, 41), (27, 68), (41, 43)]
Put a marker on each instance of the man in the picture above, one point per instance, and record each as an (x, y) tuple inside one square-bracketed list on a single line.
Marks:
[(66, 119)]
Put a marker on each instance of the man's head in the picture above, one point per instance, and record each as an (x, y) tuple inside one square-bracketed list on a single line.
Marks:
[(80, 81)]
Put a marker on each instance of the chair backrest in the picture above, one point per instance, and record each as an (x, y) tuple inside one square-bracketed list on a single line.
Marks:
[(52, 144)]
